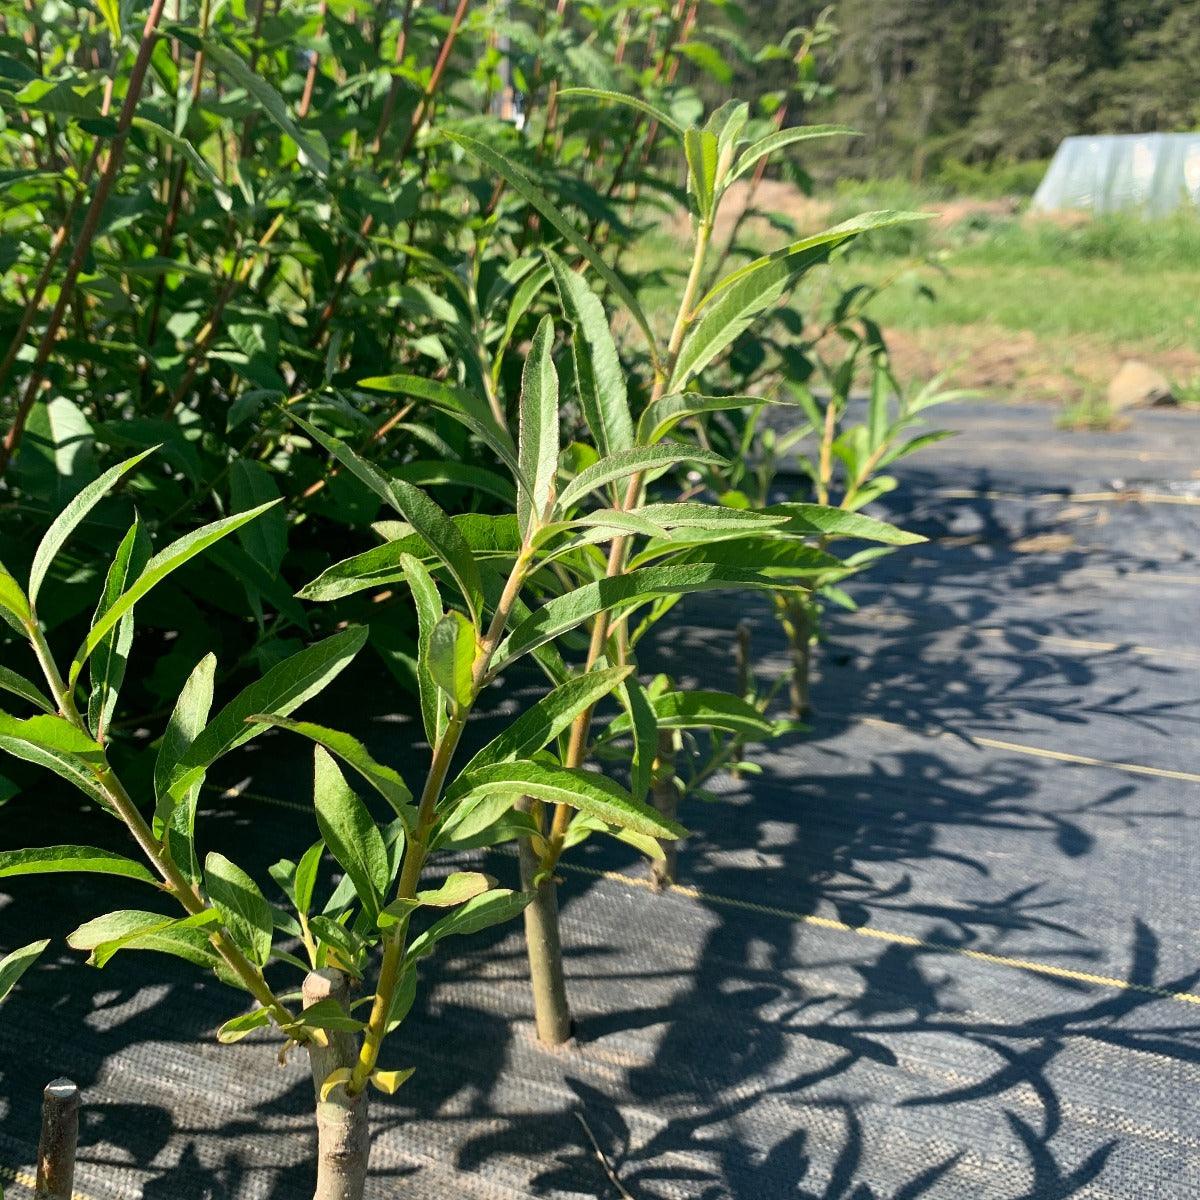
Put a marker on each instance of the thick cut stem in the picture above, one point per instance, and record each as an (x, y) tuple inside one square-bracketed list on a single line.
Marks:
[(56, 1146), (799, 629), (343, 1136), (665, 797), (552, 1013)]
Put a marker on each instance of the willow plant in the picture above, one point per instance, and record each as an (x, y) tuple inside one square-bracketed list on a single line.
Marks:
[(843, 452), (707, 324)]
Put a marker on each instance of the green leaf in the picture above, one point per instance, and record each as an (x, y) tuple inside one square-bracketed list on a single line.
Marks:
[(304, 882), (785, 137), (494, 538), (329, 1014), (56, 744), (491, 908), (386, 781), (14, 965), (312, 147), (632, 461), (644, 726), (157, 569), (47, 860), (700, 148), (390, 1082), (133, 929), (110, 10), (429, 613), (107, 667), (265, 540), (711, 710), (279, 692), (67, 521), (467, 408), (457, 888), (244, 910), (733, 303), (537, 438), (14, 605), (583, 790), (199, 164), (451, 656), (565, 612), (523, 186), (10, 681), (419, 511), (350, 833), (659, 418), (836, 522), (551, 715), (238, 1027), (631, 101), (176, 813), (599, 376)]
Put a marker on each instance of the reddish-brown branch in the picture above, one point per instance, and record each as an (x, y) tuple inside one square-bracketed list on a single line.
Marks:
[(34, 300), (91, 222)]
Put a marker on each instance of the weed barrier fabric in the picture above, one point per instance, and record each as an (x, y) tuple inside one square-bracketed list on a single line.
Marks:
[(913, 957)]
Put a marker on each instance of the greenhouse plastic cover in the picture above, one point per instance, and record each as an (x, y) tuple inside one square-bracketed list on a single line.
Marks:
[(1154, 172)]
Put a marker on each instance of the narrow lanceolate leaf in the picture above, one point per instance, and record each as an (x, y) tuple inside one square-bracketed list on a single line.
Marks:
[(156, 570), (14, 604), (459, 403), (659, 418), (47, 860), (66, 522), (175, 813), (583, 790), (837, 522), (663, 118), (238, 1027), (279, 692), (244, 910), (565, 612), (782, 138), (700, 148), (599, 375), (491, 908), (451, 657), (456, 889), (528, 191), (426, 518), (736, 300), (644, 726), (313, 150), (133, 929), (629, 462), (18, 685), (711, 710), (386, 781), (550, 716), (350, 833), (429, 612), (110, 10), (54, 743), (14, 965), (537, 438), (107, 667)]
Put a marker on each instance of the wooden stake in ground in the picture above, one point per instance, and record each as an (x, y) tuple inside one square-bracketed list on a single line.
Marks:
[(60, 1135), (343, 1138)]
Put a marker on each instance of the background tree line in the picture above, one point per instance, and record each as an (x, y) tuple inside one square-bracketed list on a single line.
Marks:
[(987, 83)]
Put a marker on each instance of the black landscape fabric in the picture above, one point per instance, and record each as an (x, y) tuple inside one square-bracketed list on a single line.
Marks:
[(943, 946)]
